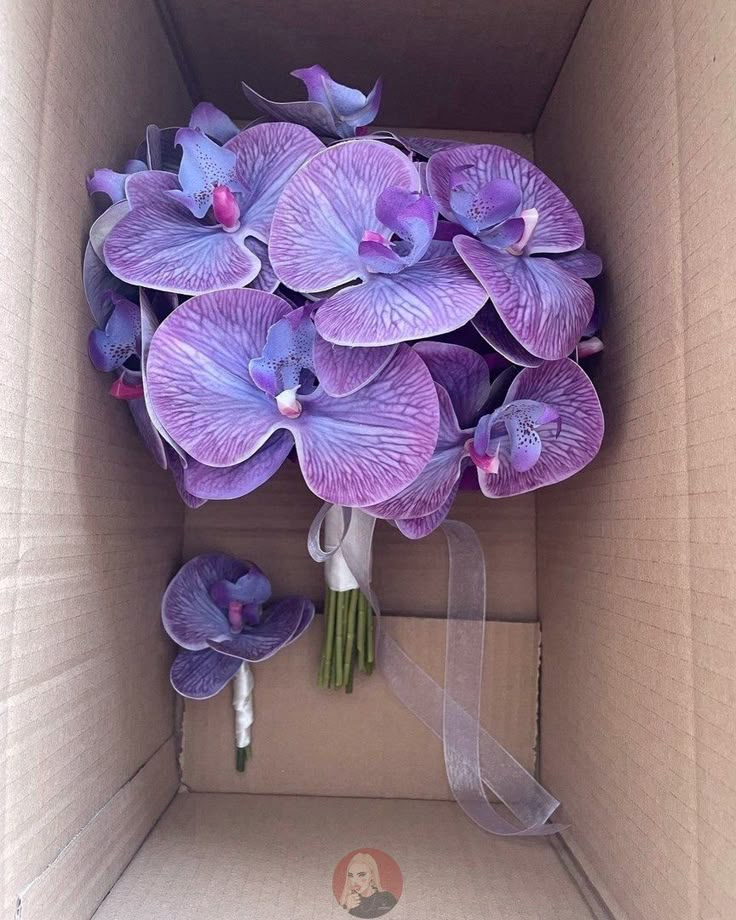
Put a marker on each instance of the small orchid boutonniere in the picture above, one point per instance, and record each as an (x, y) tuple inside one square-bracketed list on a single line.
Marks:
[(216, 608)]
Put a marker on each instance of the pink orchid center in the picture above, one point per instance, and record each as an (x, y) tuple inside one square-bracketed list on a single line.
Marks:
[(370, 236), (235, 616), (225, 208), (530, 216), (491, 464), (122, 390), (288, 405)]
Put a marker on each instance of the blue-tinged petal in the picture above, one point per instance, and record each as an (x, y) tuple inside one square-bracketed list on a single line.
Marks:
[(99, 283), (342, 370), (326, 209), (364, 448), (198, 377), (418, 528), (266, 279), (568, 443), (430, 490), (204, 166), (559, 228), (289, 350), (581, 262), (251, 588), (107, 182), (188, 613), (267, 156), (313, 115), (147, 430), (111, 347), (411, 216), (428, 146), (105, 223), (162, 152), (522, 418), (425, 299), (364, 115), (202, 674), (462, 372), (280, 622), (160, 244), (209, 482), (490, 325), (177, 471), (545, 307), (213, 122)]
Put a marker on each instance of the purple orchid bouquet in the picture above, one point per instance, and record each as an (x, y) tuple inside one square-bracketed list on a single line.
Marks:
[(406, 317)]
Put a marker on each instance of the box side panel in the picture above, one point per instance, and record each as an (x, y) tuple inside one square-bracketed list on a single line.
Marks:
[(478, 65), (90, 528), (636, 556)]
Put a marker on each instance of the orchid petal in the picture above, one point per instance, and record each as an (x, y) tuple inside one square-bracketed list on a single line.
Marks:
[(366, 447), (147, 430), (99, 283), (267, 157), (251, 588), (559, 228), (326, 208), (411, 216), (568, 443), (581, 262), (428, 146), (522, 418), (188, 613), (204, 166), (490, 325), (462, 372), (266, 279), (103, 226), (202, 674), (177, 471), (159, 244), (288, 351), (107, 182), (213, 122), (430, 490), (342, 370), (348, 105), (425, 299), (198, 376), (542, 305), (420, 527), (313, 115), (280, 622), (110, 347), (211, 482)]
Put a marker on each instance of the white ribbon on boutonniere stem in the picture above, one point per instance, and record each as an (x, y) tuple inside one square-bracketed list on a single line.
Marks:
[(474, 759)]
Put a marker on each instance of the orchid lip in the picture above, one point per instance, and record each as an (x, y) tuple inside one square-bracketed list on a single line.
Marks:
[(530, 216), (235, 616), (288, 404), (225, 208)]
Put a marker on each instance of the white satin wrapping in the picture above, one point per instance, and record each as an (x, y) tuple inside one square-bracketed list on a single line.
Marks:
[(473, 757), (243, 704), (338, 576)]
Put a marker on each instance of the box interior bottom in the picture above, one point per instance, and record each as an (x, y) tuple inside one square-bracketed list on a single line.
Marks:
[(235, 856)]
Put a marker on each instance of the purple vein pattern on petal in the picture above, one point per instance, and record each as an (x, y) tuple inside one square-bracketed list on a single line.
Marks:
[(279, 623), (267, 157), (417, 528), (559, 228), (426, 299), (211, 482), (105, 223), (566, 388), (326, 208), (198, 376), (202, 674), (342, 370), (544, 307), (490, 325), (188, 613), (582, 262), (429, 491), (364, 448), (462, 372), (160, 244), (266, 279)]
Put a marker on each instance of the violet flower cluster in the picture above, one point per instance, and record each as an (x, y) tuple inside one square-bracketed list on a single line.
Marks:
[(299, 288)]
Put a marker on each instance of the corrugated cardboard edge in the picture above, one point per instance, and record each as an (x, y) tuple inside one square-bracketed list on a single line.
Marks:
[(76, 882)]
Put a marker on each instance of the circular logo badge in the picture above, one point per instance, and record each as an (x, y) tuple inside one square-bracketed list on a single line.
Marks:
[(367, 883)]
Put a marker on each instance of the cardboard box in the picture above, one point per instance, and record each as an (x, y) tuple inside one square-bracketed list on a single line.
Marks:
[(629, 106)]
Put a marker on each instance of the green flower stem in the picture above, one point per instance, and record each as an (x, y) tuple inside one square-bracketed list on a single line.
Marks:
[(351, 619), (362, 635), (329, 639), (371, 644), (342, 599), (241, 756)]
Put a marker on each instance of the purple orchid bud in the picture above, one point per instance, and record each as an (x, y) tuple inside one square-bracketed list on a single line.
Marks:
[(225, 208), (521, 226)]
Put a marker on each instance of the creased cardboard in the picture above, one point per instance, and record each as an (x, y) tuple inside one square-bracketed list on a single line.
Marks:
[(636, 555), (273, 857)]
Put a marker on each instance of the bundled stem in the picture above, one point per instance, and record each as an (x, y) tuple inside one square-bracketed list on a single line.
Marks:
[(348, 638)]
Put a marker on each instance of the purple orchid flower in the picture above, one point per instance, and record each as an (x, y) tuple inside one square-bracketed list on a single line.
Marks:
[(199, 231), (548, 427), (232, 372), (522, 238), (334, 224), (331, 109), (216, 609)]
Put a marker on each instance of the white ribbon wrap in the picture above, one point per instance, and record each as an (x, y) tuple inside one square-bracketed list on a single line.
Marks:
[(338, 576), (243, 704)]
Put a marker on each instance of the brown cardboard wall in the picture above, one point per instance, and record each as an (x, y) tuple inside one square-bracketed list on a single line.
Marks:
[(474, 65), (90, 528), (637, 555)]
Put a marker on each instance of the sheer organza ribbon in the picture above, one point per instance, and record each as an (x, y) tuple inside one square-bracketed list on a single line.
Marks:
[(473, 757)]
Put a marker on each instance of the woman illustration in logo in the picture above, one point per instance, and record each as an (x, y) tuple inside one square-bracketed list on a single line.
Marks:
[(363, 895)]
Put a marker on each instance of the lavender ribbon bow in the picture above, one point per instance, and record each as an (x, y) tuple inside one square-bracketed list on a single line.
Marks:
[(473, 757)]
